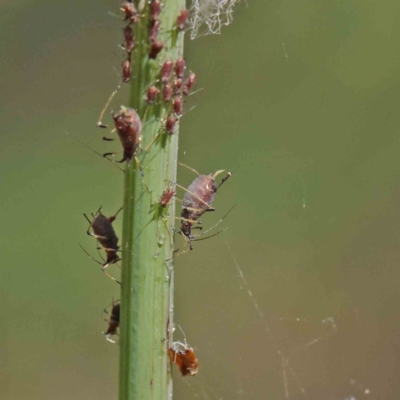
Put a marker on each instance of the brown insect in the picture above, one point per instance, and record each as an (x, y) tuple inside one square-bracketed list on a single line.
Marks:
[(189, 83), (104, 232), (167, 196), (113, 322), (126, 71), (152, 93), (170, 124), (129, 9), (166, 71), (178, 105), (181, 19), (129, 39), (197, 200), (128, 126), (184, 357), (180, 68), (154, 29), (155, 10), (167, 93), (155, 48)]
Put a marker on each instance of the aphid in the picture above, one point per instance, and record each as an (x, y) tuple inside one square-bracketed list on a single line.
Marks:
[(189, 83), (128, 125), (181, 19), (155, 10), (155, 48), (180, 68), (166, 71), (113, 323), (129, 9), (197, 200), (154, 29), (178, 105), (170, 124), (177, 85), (184, 357), (126, 71), (152, 93), (129, 38), (167, 93), (104, 232), (167, 196)]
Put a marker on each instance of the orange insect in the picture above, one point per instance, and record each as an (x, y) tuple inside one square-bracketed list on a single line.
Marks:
[(184, 357)]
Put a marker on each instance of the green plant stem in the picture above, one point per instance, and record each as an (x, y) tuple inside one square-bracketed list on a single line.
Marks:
[(147, 240)]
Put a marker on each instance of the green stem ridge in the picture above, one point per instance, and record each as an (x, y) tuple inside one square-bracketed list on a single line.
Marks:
[(147, 239)]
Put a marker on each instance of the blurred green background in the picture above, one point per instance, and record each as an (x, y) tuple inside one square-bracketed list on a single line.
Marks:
[(300, 101)]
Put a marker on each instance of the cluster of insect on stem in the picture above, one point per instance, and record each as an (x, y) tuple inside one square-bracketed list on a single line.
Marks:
[(167, 89)]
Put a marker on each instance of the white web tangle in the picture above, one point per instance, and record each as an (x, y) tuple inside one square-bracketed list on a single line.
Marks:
[(208, 16)]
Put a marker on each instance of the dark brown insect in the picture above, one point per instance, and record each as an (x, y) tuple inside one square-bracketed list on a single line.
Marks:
[(167, 196), (155, 10), (154, 29), (129, 9), (128, 125), (197, 200), (170, 124), (129, 39), (113, 323), (104, 232), (167, 93), (126, 71), (152, 93), (185, 358), (180, 68), (178, 105), (166, 71), (189, 83), (155, 48), (181, 19)]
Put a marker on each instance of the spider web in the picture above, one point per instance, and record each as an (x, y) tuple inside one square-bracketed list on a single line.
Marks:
[(208, 16), (295, 343)]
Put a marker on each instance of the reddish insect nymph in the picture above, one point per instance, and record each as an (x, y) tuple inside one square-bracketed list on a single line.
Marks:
[(155, 48), (167, 196), (181, 19), (180, 68), (152, 93), (166, 71)]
